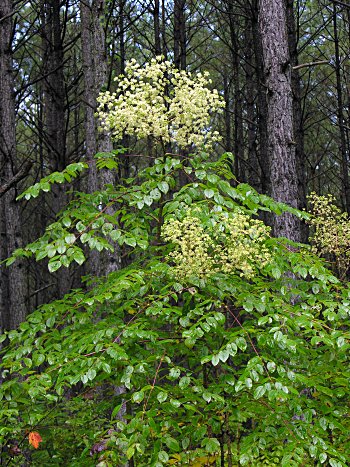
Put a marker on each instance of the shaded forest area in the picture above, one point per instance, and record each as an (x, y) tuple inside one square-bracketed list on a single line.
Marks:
[(57, 56), (281, 69)]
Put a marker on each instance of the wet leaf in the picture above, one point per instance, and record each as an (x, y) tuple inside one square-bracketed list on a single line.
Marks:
[(34, 439)]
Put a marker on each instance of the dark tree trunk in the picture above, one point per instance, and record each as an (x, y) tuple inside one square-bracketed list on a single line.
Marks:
[(164, 42), (237, 95), (297, 114), (179, 34), (54, 115), (13, 288), (95, 76), (156, 22), (281, 142), (89, 93), (124, 162), (227, 97), (253, 169), (54, 86), (121, 23), (340, 114), (263, 152)]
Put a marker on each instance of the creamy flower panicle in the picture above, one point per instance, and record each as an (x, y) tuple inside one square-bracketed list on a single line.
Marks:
[(331, 231), (232, 244), (160, 101)]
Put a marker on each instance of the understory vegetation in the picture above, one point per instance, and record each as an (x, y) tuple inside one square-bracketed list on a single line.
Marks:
[(214, 343), (218, 341)]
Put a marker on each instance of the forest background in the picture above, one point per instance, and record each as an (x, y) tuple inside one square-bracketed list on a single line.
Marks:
[(57, 56), (282, 69)]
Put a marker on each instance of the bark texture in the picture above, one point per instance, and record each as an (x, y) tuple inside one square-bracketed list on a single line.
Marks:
[(263, 152), (54, 85), (13, 279), (95, 76), (156, 22), (280, 126), (253, 169), (340, 114), (54, 114), (180, 34), (237, 94), (297, 114)]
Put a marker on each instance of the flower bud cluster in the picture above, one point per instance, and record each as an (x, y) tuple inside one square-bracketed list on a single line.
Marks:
[(242, 245), (193, 252), (231, 244), (160, 101), (331, 236)]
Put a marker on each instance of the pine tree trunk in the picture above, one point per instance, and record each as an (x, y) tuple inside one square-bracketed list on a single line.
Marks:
[(54, 115), (253, 171), (122, 29), (179, 34), (227, 97), (262, 152), (95, 76), (297, 115), (54, 87), (163, 27), (281, 142), (237, 95), (13, 279), (340, 115), (156, 22), (89, 93)]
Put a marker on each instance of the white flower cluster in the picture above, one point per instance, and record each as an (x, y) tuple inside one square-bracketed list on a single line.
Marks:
[(331, 236), (232, 245), (160, 101), (241, 245), (192, 255)]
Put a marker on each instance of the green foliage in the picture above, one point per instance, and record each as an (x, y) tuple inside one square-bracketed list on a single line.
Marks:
[(167, 370), (70, 172)]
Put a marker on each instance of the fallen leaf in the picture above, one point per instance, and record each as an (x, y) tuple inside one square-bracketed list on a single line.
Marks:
[(34, 439)]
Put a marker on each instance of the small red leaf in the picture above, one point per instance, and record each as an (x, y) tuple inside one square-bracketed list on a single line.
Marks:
[(34, 439)]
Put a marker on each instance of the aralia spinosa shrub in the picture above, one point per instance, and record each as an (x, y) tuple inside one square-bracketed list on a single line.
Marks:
[(198, 350)]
